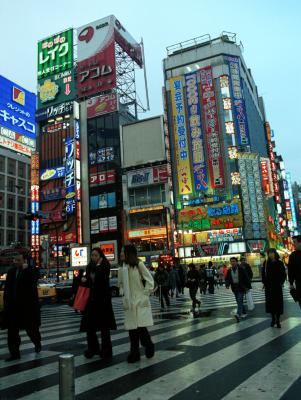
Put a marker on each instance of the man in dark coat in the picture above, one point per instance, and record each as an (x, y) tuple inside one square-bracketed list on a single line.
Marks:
[(247, 267), (98, 314), (294, 268), (21, 306), (239, 281)]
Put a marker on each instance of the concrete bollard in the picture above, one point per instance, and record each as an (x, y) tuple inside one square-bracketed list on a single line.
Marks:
[(67, 376)]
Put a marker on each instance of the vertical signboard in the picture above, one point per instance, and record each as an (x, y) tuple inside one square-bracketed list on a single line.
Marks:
[(196, 134), (78, 180), (294, 225), (239, 103), (180, 136), (215, 160), (266, 176), (55, 54), (35, 198), (70, 175)]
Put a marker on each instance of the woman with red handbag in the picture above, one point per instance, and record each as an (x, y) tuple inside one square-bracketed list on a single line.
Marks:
[(98, 314)]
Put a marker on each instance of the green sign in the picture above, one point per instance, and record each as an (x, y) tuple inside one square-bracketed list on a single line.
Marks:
[(56, 89), (55, 54)]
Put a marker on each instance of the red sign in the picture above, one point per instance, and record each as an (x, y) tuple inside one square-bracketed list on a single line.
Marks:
[(109, 250), (97, 73), (101, 178), (264, 166), (215, 160), (103, 104), (63, 237)]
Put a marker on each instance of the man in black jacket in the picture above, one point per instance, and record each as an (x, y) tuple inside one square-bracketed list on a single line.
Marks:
[(294, 268), (239, 281), (21, 306)]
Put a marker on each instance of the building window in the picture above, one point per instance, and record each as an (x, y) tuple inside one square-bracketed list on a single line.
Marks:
[(10, 220), (21, 204), (11, 168), (10, 202), (147, 195), (2, 198), (1, 218), (21, 170), (11, 237), (21, 221), (21, 238), (11, 185), (21, 187), (1, 237), (2, 182), (2, 164)]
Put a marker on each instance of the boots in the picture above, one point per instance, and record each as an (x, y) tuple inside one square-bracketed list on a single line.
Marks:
[(278, 321), (273, 321), (134, 354)]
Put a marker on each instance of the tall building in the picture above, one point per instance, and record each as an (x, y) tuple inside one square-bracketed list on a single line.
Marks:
[(216, 125), (17, 142), (86, 91)]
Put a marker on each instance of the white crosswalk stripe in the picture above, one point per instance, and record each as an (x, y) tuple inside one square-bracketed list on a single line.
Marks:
[(211, 344)]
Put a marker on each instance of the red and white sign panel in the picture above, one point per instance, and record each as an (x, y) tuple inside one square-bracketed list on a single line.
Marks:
[(264, 166), (102, 104), (101, 178)]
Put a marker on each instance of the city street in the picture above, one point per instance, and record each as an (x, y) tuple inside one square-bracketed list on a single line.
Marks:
[(207, 357)]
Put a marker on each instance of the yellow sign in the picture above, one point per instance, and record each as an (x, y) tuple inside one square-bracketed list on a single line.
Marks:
[(180, 136), (146, 209), (140, 233)]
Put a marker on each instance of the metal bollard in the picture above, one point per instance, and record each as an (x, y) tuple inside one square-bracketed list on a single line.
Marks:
[(66, 379)]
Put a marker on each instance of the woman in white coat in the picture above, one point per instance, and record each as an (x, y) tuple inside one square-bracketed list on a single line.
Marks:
[(136, 283)]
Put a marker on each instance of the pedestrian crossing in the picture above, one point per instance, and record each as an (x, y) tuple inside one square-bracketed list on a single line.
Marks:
[(210, 357)]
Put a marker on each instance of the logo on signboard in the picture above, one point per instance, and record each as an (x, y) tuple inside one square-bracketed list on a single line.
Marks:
[(86, 34), (18, 96), (48, 91)]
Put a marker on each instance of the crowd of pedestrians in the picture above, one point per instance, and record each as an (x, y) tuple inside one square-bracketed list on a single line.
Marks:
[(137, 283)]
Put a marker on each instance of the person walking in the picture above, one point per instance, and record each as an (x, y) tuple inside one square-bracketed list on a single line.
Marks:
[(239, 282), (98, 314), (210, 277), (247, 268), (21, 306), (203, 279), (136, 283), (294, 268), (162, 281), (193, 281), (182, 277), (174, 281), (273, 277)]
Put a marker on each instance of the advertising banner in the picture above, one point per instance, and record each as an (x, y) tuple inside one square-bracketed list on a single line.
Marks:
[(102, 178), (35, 207), (180, 137), (17, 108), (103, 104), (147, 176), (15, 146), (52, 194), (54, 111), (196, 134), (17, 137), (52, 173), (219, 216), (55, 54), (239, 106), (142, 233), (109, 249), (102, 155), (79, 256), (108, 224), (70, 175), (266, 176), (58, 88), (214, 157)]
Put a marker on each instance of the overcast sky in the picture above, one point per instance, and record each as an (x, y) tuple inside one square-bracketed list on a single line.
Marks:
[(270, 31)]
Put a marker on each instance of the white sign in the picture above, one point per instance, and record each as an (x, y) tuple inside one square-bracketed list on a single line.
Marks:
[(79, 256)]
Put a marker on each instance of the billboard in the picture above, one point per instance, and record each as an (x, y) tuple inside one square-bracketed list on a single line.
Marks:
[(55, 111), (79, 256), (147, 176), (196, 134), (52, 173), (58, 88), (180, 137), (214, 157), (239, 106), (103, 104), (55, 54), (266, 176), (70, 175), (17, 108), (101, 178)]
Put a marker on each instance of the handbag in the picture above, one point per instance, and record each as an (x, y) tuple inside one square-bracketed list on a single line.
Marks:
[(294, 294), (81, 298), (250, 302)]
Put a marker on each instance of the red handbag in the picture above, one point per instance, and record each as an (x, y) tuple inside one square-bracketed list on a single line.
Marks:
[(81, 298)]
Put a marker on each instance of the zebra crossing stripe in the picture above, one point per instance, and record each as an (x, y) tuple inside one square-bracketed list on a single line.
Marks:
[(272, 381), (177, 381), (97, 378)]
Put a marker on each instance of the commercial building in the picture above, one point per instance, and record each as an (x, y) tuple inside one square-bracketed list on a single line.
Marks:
[(86, 91), (216, 128), (17, 141), (147, 195)]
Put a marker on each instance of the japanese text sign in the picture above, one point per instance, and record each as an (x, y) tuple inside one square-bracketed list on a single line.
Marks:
[(55, 54), (180, 136), (215, 160), (196, 135), (17, 108)]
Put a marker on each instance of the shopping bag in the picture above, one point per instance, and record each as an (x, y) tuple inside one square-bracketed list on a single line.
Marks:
[(81, 298), (250, 302)]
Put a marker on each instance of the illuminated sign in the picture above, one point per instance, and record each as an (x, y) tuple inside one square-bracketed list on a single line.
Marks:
[(227, 104), (52, 194), (147, 176), (101, 105), (266, 175), (58, 88), (16, 146), (55, 54), (196, 134), (146, 209), (201, 218), (35, 225), (215, 160), (102, 155), (293, 217), (239, 106), (79, 256), (17, 137), (52, 173), (101, 178), (141, 233), (55, 111), (180, 137), (109, 249), (70, 175), (17, 108)]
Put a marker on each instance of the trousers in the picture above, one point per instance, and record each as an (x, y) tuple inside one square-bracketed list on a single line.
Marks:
[(93, 343), (14, 340), (239, 296), (142, 335)]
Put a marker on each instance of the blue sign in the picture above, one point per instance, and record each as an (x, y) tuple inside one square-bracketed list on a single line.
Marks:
[(17, 108), (225, 210), (52, 173), (196, 134), (76, 129)]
